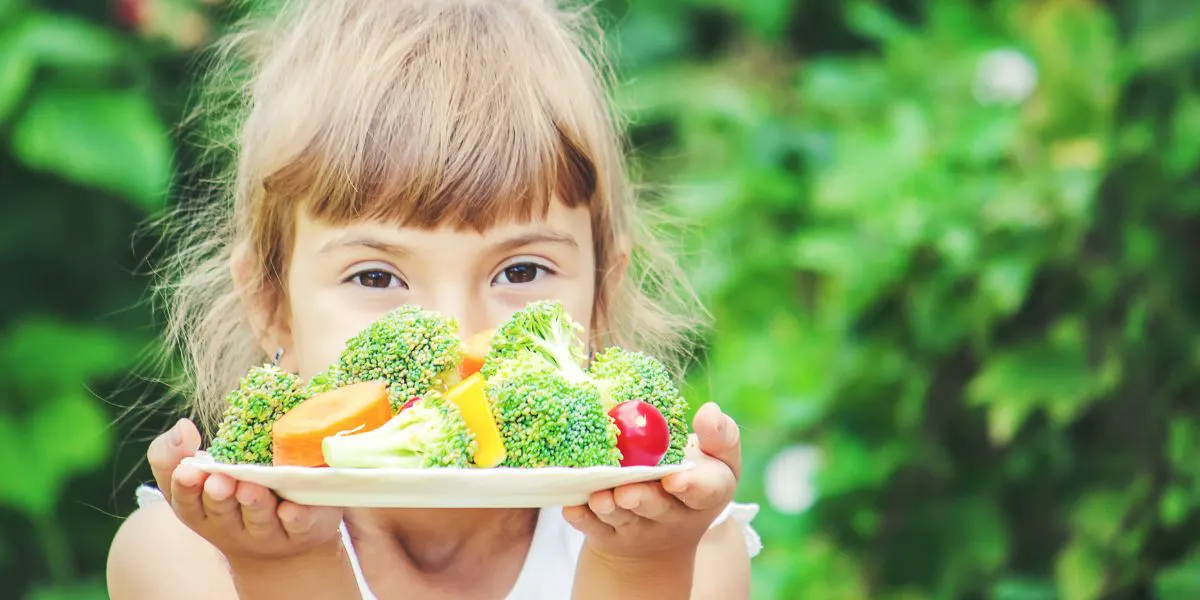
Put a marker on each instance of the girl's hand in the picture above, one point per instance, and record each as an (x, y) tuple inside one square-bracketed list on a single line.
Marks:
[(245, 521), (651, 522)]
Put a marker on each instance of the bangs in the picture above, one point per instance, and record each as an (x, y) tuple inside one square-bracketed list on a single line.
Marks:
[(447, 121)]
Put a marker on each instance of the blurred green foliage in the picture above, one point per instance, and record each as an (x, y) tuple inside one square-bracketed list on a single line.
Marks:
[(947, 247)]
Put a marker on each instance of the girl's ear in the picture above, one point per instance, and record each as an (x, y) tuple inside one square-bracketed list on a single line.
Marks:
[(263, 305)]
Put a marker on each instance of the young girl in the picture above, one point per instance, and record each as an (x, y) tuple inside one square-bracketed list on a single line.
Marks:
[(458, 155)]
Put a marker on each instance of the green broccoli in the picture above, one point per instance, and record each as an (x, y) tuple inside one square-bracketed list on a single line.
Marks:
[(429, 434), (548, 420), (325, 381), (625, 375), (416, 351), (545, 329), (263, 396)]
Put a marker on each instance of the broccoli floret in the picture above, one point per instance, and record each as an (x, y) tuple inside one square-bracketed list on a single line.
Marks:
[(625, 375), (429, 434), (543, 328), (263, 396), (416, 351), (547, 420), (325, 381)]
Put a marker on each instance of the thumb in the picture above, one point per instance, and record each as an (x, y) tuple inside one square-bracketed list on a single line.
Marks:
[(169, 449), (719, 437)]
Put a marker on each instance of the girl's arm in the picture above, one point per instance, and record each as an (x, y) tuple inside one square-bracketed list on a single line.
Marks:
[(719, 570), (154, 555), (654, 541)]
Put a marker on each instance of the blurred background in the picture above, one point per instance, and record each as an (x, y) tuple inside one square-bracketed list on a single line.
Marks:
[(947, 245)]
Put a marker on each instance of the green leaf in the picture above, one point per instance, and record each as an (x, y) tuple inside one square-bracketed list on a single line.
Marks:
[(1182, 156), (64, 42), (1005, 283), (1174, 506), (92, 589), (1012, 588), (43, 354), (1180, 581), (768, 18), (1080, 571), (16, 72), (65, 435), (1099, 516), (9, 8), (113, 141), (1051, 376), (869, 19)]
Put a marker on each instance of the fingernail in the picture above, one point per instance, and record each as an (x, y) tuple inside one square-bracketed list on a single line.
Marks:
[(176, 437)]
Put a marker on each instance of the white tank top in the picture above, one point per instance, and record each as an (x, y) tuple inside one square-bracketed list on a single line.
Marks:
[(549, 569)]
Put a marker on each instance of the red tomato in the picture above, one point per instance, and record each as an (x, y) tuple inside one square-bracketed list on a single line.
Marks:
[(407, 405), (645, 437)]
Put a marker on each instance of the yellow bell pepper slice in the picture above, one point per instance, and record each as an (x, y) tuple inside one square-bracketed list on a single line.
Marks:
[(470, 397)]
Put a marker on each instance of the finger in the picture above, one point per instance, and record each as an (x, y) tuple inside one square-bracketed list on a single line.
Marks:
[(719, 437), (308, 522), (649, 502), (605, 508), (220, 507), (258, 505), (710, 484), (168, 449), (186, 486), (586, 522)]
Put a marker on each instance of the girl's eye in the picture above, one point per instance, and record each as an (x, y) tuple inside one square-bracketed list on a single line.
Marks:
[(377, 279), (519, 273)]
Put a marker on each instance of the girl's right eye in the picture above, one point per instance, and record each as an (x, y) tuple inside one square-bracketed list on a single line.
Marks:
[(376, 278)]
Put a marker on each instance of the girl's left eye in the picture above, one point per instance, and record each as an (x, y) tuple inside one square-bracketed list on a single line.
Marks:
[(519, 273), (375, 278)]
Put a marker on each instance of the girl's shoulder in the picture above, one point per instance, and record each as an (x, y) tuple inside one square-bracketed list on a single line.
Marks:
[(154, 555)]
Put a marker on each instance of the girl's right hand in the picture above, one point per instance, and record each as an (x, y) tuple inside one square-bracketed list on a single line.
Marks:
[(245, 521)]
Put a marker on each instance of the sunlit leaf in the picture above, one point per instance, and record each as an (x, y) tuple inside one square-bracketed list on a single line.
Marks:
[(64, 435), (1180, 581), (16, 71), (42, 354), (871, 19), (1011, 588), (1080, 572), (60, 41), (1012, 384), (114, 141)]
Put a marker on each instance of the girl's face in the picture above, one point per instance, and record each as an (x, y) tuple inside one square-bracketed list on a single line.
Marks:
[(341, 278)]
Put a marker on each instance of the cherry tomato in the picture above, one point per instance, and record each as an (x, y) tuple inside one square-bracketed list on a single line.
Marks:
[(645, 437)]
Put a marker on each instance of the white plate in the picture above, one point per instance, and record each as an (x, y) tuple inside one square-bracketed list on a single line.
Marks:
[(436, 488)]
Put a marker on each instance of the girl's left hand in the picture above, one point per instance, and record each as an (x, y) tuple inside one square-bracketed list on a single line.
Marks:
[(657, 520)]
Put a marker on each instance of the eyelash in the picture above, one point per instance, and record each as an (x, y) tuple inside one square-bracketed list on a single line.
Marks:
[(357, 278), (539, 268)]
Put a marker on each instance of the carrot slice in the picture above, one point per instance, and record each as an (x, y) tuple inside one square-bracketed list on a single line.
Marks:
[(297, 435), (475, 350)]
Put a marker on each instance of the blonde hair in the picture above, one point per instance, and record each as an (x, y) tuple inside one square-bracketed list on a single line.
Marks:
[(428, 113)]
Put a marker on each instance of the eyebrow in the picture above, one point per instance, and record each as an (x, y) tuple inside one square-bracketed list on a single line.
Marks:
[(518, 241), (363, 241), (535, 237)]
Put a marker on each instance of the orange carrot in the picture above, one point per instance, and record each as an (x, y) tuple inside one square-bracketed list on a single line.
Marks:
[(475, 350), (297, 435)]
